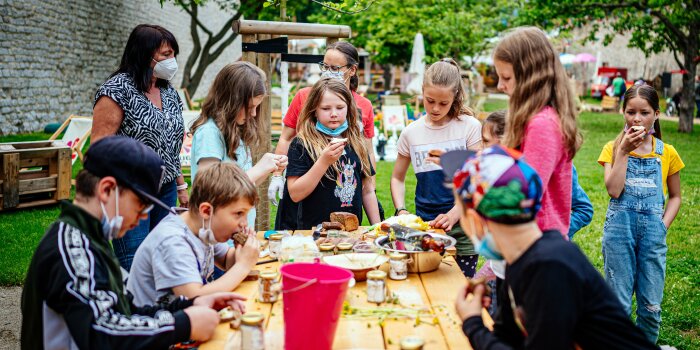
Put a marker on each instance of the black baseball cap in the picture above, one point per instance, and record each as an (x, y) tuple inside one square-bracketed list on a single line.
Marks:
[(452, 161), (132, 163)]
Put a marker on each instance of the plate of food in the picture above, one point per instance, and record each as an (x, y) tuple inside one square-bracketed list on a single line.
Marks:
[(358, 263), (409, 220)]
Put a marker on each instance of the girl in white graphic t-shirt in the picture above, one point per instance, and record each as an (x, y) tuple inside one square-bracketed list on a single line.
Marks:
[(448, 125)]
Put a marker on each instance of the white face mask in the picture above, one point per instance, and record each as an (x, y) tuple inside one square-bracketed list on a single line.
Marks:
[(206, 234), (340, 76), (165, 69), (111, 227)]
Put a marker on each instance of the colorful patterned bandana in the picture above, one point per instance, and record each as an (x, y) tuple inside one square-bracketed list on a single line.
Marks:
[(499, 185)]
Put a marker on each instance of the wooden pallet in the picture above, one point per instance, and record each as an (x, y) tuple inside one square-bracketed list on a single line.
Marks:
[(34, 173)]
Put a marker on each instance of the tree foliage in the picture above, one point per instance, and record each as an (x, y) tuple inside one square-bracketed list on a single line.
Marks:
[(216, 40), (654, 25), (451, 28)]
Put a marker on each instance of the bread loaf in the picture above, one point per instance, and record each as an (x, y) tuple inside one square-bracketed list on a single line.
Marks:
[(348, 220), (333, 226), (240, 238)]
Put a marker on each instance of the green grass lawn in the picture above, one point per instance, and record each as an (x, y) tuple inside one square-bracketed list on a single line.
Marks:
[(20, 231)]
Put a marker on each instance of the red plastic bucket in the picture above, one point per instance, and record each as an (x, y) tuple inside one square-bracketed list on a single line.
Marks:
[(313, 299)]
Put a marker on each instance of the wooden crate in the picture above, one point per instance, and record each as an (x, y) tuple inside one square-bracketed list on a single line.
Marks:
[(609, 103), (34, 173)]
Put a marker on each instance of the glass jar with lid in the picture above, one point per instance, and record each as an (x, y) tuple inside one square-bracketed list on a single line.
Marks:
[(252, 332), (327, 249), (399, 266), (275, 243), (268, 287), (376, 286), (344, 248), (412, 342)]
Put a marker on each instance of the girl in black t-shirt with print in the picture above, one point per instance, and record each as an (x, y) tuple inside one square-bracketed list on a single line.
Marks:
[(329, 168)]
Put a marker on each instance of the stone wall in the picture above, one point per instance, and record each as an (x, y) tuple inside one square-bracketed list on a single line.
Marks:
[(55, 53), (617, 54)]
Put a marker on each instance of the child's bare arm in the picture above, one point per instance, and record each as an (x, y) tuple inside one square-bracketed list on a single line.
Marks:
[(615, 176), (674, 198), (398, 178), (616, 173), (369, 200), (246, 257)]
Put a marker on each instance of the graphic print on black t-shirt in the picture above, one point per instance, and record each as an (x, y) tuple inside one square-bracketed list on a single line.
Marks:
[(346, 184), (342, 192)]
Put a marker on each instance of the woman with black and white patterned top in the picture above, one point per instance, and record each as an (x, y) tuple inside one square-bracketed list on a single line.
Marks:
[(138, 101)]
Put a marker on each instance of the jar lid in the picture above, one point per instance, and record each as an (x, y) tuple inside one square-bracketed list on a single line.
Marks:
[(252, 319), (269, 275), (412, 342), (397, 256), (326, 246), (376, 275), (276, 237), (345, 246)]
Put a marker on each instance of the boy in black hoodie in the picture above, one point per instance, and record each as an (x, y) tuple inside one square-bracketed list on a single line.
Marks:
[(552, 297), (74, 294)]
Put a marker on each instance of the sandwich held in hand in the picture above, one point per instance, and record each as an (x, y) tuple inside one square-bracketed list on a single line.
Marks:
[(338, 140)]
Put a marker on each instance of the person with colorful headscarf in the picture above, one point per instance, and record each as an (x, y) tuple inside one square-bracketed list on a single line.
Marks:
[(552, 297)]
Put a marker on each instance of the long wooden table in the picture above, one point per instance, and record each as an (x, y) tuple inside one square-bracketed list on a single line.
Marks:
[(434, 291)]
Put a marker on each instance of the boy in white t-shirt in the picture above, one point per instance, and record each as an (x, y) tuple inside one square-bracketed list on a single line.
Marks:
[(178, 256)]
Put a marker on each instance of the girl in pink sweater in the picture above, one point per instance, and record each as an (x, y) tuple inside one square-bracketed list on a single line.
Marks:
[(541, 119)]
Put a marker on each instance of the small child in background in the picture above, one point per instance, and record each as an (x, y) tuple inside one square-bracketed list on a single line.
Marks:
[(178, 256), (640, 170)]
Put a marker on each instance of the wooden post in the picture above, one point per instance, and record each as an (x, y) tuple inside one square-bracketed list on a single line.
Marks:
[(244, 26), (262, 220), (249, 56), (65, 173), (10, 177)]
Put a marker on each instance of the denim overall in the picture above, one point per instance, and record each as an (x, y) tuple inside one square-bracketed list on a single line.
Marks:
[(634, 242)]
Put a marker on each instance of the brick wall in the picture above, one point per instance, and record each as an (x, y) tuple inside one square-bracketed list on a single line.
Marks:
[(55, 53)]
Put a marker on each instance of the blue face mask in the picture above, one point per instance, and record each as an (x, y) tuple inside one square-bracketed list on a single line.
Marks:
[(486, 247), (330, 132)]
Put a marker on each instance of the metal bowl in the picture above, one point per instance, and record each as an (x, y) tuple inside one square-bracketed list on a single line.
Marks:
[(419, 262)]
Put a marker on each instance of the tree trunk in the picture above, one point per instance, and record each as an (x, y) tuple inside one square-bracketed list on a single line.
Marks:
[(687, 105), (387, 76)]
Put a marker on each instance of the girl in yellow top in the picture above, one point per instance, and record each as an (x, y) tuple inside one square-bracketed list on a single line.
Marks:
[(640, 170)]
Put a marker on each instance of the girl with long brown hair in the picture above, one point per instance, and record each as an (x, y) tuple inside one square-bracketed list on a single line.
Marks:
[(330, 168), (541, 119), (448, 125), (227, 130)]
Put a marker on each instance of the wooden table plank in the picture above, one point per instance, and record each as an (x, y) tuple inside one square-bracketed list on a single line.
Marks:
[(442, 287), (358, 333), (411, 294)]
